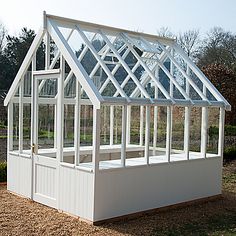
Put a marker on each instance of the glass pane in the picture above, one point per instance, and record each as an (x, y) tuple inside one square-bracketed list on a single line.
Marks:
[(69, 125), (27, 84), (48, 88), (117, 129), (105, 125), (213, 130), (157, 142), (178, 129), (86, 133), (86, 125), (15, 126), (46, 114), (195, 129), (135, 125), (26, 126)]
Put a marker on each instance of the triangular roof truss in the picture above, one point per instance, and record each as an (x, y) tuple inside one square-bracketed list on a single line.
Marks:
[(124, 67)]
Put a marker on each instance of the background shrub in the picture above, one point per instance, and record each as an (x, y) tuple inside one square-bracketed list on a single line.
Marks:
[(230, 153), (3, 171)]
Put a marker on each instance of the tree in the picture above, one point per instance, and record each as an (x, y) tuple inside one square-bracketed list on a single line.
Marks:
[(219, 48), (17, 47), (165, 32), (3, 33), (224, 79), (13, 55), (189, 41)]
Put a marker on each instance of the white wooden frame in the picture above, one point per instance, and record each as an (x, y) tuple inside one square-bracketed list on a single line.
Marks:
[(157, 56), (92, 184)]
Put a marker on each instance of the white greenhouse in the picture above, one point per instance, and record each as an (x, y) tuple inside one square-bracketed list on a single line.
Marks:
[(111, 123)]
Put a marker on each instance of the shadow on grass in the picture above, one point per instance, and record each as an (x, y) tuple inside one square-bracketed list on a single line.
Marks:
[(224, 224)]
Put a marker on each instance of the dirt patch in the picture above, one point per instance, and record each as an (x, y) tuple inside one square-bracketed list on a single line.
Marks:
[(19, 216)]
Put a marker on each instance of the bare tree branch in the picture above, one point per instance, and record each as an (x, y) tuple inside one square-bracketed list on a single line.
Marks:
[(3, 33), (189, 41), (165, 32)]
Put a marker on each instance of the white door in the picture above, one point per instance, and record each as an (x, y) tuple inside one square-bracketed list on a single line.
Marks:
[(45, 168)]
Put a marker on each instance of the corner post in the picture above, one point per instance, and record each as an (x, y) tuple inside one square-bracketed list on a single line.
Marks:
[(124, 134), (204, 131), (9, 128), (147, 135), (187, 121), (96, 138), (77, 123), (111, 124), (221, 132), (141, 125), (34, 121), (60, 111), (204, 128), (60, 127), (168, 132), (21, 94)]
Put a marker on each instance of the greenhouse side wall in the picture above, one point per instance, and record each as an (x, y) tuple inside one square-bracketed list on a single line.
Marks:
[(19, 170), (130, 190)]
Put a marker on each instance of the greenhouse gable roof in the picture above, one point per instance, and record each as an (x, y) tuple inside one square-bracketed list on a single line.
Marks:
[(120, 66)]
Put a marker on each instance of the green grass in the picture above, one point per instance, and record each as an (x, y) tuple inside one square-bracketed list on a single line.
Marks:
[(224, 224)]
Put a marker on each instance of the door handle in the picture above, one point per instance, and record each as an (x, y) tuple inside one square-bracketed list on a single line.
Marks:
[(34, 147)]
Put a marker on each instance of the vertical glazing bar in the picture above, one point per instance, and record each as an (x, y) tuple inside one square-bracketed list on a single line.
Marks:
[(187, 132), (124, 133), (34, 122), (172, 73), (204, 131), (168, 133), (147, 135), (77, 123), (155, 131), (221, 132), (204, 89), (187, 121), (10, 127), (96, 137), (21, 94), (60, 111), (60, 126), (128, 124), (204, 127), (55, 125), (47, 51), (111, 124), (141, 125), (169, 119)]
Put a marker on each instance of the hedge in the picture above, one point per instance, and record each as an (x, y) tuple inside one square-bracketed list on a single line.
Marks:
[(230, 153), (3, 171)]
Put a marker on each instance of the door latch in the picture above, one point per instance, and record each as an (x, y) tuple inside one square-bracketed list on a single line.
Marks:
[(33, 148)]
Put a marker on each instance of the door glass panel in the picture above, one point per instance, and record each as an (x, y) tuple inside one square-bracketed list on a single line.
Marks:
[(47, 91)]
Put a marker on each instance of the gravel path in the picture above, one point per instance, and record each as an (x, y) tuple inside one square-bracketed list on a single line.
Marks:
[(19, 216)]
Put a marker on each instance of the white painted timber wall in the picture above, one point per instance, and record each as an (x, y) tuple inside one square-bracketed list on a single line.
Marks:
[(118, 192), (45, 180), (130, 190), (19, 174), (76, 192), (76, 186)]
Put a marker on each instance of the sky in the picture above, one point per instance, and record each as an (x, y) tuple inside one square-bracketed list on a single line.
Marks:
[(143, 15)]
